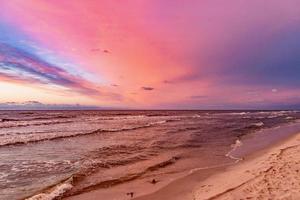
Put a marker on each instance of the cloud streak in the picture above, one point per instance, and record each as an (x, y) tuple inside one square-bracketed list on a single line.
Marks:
[(147, 88), (36, 105), (20, 65)]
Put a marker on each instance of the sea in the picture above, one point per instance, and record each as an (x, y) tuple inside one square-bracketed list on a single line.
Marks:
[(80, 151)]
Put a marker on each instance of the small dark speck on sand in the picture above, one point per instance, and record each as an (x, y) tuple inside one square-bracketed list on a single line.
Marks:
[(131, 194), (154, 181)]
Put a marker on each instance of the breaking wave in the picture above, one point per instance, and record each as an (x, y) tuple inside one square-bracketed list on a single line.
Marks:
[(68, 187), (33, 124), (37, 137), (55, 192)]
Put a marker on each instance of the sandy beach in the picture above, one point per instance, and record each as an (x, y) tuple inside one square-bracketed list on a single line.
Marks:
[(273, 173)]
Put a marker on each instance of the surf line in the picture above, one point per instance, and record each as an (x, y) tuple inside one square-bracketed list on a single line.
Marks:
[(238, 143)]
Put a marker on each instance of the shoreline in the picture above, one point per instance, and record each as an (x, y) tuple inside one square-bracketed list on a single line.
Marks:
[(215, 185), (188, 185), (243, 176), (269, 173)]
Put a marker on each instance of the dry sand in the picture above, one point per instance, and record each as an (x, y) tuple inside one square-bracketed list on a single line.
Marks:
[(274, 174)]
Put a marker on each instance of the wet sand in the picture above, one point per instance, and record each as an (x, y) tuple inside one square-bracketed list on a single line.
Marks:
[(271, 171), (144, 185)]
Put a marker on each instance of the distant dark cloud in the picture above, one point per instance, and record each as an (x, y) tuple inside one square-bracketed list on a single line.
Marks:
[(147, 88), (115, 85), (36, 105)]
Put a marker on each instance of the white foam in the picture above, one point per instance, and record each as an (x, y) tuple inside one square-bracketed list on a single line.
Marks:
[(238, 113), (58, 191), (236, 145), (196, 116), (259, 124), (209, 167), (158, 122), (36, 136)]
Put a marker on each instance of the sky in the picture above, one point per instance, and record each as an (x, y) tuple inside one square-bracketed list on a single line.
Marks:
[(150, 54)]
